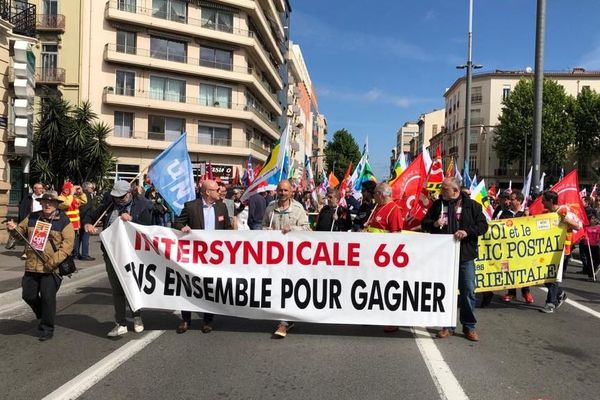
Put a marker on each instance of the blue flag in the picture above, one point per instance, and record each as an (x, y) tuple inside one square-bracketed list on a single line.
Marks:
[(466, 180), (172, 176)]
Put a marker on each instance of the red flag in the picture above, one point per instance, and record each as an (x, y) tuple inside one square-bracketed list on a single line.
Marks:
[(209, 173), (236, 177), (410, 193), (333, 181), (593, 194), (344, 185), (436, 174), (568, 194), (492, 192)]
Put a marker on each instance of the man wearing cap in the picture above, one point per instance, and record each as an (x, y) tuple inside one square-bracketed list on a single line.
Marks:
[(121, 204), (40, 283), (207, 213)]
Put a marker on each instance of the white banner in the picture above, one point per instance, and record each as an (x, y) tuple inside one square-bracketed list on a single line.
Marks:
[(341, 277)]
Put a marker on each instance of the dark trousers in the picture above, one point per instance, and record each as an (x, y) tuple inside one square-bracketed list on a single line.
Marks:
[(187, 317), (82, 244), (589, 264), (119, 299), (554, 289), (39, 291)]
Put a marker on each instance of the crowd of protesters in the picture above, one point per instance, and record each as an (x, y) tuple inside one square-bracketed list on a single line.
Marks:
[(74, 214)]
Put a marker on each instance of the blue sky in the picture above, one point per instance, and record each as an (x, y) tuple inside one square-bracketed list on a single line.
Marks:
[(377, 64)]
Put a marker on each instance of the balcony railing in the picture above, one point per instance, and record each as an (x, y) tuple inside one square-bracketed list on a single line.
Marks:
[(213, 103), (23, 18), (184, 59), (115, 5), (196, 139), (50, 75), (47, 22)]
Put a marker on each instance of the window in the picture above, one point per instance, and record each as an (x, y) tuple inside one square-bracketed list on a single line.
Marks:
[(125, 83), (505, 92), (167, 89), (168, 49), (50, 7), (476, 118), (434, 129), (214, 134), (216, 58), (126, 42), (123, 125), (165, 128), (173, 10), (476, 96), (473, 163), (215, 96), (125, 172), (127, 5), (49, 57), (219, 20)]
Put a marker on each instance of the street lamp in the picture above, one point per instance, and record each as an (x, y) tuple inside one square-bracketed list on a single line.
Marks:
[(469, 66)]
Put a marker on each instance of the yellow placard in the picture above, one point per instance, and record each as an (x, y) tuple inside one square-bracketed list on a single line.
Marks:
[(520, 252)]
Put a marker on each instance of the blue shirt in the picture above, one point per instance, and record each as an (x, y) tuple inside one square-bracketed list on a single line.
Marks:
[(209, 216)]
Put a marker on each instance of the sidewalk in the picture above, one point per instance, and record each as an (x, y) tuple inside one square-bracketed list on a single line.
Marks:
[(12, 267)]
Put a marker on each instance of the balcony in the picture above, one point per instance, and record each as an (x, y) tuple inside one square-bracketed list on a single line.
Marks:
[(50, 76), (221, 33), (50, 23), (196, 106), (137, 57), (159, 140), (23, 18)]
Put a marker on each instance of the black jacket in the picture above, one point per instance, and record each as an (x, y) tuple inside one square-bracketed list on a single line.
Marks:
[(325, 219), (192, 215), (140, 212), (472, 221)]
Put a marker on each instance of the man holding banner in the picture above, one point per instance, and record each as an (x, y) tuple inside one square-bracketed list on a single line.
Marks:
[(285, 214), (556, 296), (457, 214), (209, 214), (121, 204)]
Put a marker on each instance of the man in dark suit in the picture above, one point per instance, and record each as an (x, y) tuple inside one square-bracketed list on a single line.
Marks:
[(206, 213)]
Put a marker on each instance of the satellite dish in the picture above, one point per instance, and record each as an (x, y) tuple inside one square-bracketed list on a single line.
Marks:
[(529, 70)]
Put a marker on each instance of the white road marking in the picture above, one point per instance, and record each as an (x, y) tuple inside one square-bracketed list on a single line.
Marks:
[(94, 374), (445, 382), (577, 305)]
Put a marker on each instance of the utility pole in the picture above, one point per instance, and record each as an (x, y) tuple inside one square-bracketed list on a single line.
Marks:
[(469, 81), (536, 148)]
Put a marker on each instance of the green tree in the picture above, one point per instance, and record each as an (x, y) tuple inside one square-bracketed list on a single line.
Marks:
[(69, 143), (340, 151), (516, 124), (586, 117)]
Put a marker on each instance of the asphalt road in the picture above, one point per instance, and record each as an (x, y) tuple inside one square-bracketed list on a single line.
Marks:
[(523, 353)]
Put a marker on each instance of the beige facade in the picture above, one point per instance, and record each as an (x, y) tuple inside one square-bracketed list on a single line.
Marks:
[(404, 135), (430, 124), (488, 91), (156, 68)]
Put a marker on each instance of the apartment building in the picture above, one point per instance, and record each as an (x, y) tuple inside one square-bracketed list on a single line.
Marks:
[(404, 135), (216, 70), (429, 124), (488, 91)]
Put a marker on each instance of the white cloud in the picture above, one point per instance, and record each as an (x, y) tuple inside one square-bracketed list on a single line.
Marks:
[(375, 96)]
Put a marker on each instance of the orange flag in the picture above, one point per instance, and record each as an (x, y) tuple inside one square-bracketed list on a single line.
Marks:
[(344, 185), (333, 181)]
